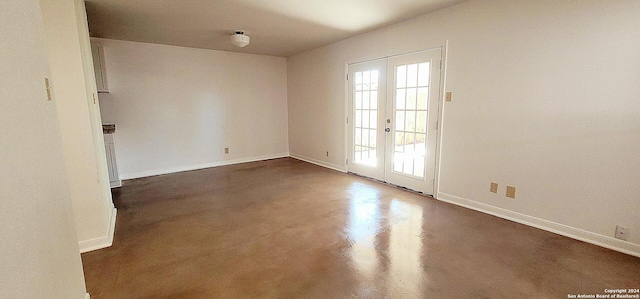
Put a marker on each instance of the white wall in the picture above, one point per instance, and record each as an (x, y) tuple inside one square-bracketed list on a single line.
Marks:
[(545, 98), (72, 72), (176, 108), (39, 248)]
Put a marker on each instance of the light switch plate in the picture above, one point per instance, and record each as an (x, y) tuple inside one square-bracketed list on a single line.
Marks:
[(47, 86)]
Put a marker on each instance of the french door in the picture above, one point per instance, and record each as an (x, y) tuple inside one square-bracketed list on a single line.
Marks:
[(367, 102), (393, 104)]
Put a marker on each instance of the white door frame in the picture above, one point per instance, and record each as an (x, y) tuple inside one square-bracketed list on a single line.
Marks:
[(443, 79)]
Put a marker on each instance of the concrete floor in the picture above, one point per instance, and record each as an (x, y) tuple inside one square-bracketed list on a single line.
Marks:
[(288, 229)]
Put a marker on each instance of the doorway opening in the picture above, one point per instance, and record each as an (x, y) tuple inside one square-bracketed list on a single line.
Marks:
[(393, 106)]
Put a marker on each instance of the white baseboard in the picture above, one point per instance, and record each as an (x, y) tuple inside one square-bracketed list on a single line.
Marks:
[(101, 242), (557, 228), (142, 174), (319, 163), (115, 184)]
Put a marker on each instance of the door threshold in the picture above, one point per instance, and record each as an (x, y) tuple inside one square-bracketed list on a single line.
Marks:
[(392, 185)]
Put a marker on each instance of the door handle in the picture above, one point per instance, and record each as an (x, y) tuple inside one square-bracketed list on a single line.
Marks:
[(387, 130)]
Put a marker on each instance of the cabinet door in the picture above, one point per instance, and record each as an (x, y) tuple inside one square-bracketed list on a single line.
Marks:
[(98, 67), (112, 167), (113, 174)]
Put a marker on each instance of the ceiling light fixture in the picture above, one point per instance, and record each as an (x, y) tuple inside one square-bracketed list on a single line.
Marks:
[(239, 39)]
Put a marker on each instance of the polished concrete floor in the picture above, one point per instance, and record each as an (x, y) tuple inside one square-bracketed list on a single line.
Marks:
[(288, 229)]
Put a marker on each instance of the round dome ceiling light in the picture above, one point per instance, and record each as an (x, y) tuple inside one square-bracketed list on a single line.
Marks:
[(239, 39)]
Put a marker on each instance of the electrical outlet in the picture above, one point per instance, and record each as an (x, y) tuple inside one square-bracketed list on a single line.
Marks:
[(327, 153), (226, 150), (511, 191), (448, 96), (494, 187), (622, 233)]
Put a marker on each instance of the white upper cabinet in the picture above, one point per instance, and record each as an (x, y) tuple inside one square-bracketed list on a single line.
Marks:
[(98, 66)]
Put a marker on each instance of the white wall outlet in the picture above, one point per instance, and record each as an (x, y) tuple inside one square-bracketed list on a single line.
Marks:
[(622, 233), (226, 150)]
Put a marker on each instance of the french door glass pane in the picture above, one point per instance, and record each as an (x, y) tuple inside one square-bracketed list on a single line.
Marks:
[(411, 102), (400, 98), (366, 117)]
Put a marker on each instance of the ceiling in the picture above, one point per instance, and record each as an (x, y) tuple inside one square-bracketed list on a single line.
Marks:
[(276, 27)]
